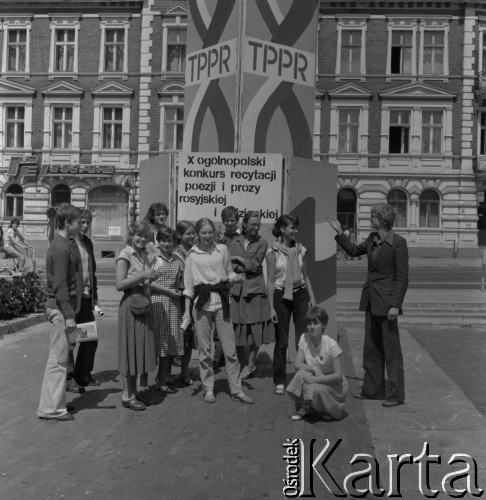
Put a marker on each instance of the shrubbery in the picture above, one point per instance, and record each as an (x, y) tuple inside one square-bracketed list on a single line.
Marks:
[(21, 295)]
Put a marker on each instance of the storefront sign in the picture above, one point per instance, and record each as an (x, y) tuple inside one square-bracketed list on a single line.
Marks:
[(207, 182), (88, 170), (26, 164), (250, 77)]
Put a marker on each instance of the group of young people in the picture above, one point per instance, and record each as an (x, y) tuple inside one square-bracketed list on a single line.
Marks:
[(204, 282), (182, 287)]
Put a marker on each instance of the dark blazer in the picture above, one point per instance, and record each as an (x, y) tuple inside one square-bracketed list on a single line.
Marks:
[(93, 282), (254, 283), (387, 279)]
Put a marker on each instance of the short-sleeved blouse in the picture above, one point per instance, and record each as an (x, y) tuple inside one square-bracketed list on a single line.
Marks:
[(137, 262), (168, 270), (12, 238), (321, 356)]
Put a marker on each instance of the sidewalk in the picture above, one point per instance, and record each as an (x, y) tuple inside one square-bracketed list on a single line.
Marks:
[(181, 448)]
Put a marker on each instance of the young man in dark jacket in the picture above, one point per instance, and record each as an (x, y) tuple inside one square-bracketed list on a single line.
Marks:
[(63, 300), (79, 373), (381, 299)]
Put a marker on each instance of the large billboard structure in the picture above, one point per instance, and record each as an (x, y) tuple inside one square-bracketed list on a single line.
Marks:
[(250, 76), (249, 110)]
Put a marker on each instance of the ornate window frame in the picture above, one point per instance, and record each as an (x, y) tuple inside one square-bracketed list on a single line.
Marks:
[(57, 24), (355, 24), (10, 23)]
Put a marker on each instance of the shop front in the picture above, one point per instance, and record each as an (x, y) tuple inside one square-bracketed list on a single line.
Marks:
[(30, 188)]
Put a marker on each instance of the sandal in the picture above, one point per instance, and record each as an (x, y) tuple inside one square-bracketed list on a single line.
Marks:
[(209, 397), (166, 389), (279, 390), (187, 381), (300, 413)]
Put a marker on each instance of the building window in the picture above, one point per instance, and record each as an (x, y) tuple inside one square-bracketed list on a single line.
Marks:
[(399, 134), (348, 130), (401, 52), (398, 200), (432, 132), (174, 127), (433, 52), (114, 50), (351, 52), (60, 194), (62, 128), (112, 128), (14, 201), (482, 145), (176, 49), (15, 126), (65, 44), (17, 50), (429, 209)]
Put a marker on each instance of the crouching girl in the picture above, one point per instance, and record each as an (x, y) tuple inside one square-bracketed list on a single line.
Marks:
[(319, 382)]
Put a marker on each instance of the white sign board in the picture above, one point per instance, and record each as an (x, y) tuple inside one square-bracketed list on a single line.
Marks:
[(114, 230), (208, 182)]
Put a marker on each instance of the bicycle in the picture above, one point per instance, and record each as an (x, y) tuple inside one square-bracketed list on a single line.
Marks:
[(13, 270)]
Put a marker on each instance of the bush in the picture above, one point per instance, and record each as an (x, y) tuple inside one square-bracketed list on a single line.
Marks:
[(21, 295)]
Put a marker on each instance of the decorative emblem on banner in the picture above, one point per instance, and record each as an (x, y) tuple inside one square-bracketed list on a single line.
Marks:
[(213, 61), (290, 65)]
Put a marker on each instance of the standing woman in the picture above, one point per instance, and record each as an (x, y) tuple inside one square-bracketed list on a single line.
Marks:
[(186, 235), (166, 295), (207, 280), (250, 312), (156, 218), (136, 350), (289, 292), (15, 244)]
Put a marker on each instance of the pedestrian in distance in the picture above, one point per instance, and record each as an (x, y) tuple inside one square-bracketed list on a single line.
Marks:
[(381, 299), (186, 236), (155, 218), (63, 301), (136, 348), (319, 384), (207, 279), (166, 294), (15, 244), (250, 312), (289, 292), (81, 370)]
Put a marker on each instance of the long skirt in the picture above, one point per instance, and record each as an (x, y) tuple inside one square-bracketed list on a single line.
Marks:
[(251, 321), (136, 346), (325, 398)]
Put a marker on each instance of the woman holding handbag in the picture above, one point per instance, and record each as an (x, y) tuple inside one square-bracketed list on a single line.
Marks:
[(136, 349), (166, 295)]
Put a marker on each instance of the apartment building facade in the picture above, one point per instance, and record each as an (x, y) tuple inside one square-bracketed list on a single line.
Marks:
[(397, 115), (69, 88), (89, 89)]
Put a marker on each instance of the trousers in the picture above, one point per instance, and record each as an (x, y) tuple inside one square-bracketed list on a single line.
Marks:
[(53, 392), (382, 350), (204, 321), (285, 309)]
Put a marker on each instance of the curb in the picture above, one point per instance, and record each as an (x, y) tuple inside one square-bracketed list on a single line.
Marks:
[(17, 324)]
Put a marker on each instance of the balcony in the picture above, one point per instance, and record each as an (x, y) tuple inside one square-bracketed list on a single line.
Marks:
[(480, 164)]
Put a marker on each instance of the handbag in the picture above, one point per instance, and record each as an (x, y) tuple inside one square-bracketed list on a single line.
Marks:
[(139, 304)]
